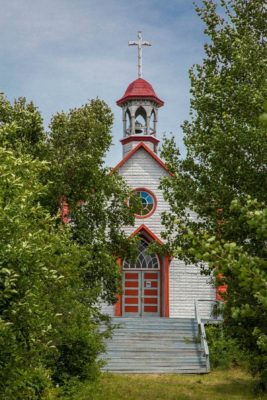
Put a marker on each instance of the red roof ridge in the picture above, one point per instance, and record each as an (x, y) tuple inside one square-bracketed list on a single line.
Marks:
[(147, 149)]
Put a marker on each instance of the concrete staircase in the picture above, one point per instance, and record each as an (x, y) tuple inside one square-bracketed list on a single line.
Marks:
[(155, 345)]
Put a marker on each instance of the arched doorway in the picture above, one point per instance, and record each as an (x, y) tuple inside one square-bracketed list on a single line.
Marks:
[(141, 284)]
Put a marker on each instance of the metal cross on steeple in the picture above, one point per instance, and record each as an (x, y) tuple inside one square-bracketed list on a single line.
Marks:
[(140, 42)]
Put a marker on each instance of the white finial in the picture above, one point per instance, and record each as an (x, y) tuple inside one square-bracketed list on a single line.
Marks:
[(140, 42)]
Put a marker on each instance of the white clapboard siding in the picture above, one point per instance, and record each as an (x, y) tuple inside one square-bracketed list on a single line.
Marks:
[(107, 309), (186, 283)]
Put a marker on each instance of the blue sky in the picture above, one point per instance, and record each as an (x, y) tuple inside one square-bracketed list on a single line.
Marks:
[(61, 53)]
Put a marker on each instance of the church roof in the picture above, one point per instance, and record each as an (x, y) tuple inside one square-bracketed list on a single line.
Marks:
[(147, 149), (140, 89)]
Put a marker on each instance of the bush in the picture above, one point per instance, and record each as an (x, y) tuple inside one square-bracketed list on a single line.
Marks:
[(224, 350), (30, 383), (77, 355)]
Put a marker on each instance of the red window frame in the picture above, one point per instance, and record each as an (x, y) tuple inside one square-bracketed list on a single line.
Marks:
[(143, 189)]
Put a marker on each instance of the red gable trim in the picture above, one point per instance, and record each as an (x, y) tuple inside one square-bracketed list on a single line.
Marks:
[(144, 228), (147, 149)]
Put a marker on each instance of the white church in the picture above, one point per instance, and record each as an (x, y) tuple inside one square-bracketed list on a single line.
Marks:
[(159, 293)]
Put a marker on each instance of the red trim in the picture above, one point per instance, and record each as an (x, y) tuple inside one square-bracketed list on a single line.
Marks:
[(161, 286), (147, 149), (118, 305), (144, 228), (141, 138), (164, 276), (166, 287), (155, 202), (123, 100)]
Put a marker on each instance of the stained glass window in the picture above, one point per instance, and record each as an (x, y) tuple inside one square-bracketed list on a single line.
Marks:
[(148, 202), (145, 260)]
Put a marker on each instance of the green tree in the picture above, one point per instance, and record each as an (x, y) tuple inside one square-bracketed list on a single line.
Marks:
[(53, 275), (226, 160), (45, 308), (77, 146), (24, 126)]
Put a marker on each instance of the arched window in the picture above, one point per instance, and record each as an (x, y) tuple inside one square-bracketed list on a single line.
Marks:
[(128, 122), (140, 121), (145, 259), (153, 123)]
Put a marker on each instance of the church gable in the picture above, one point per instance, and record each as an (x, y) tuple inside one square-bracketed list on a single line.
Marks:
[(144, 146), (142, 170), (141, 163)]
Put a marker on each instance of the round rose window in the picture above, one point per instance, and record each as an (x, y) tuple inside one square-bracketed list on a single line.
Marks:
[(148, 202)]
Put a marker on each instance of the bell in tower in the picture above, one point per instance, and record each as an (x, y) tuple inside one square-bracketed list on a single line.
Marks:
[(139, 128)]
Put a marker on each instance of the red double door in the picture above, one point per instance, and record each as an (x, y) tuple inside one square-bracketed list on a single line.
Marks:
[(141, 293)]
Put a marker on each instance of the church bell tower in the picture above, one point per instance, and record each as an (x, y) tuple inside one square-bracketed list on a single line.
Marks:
[(140, 106)]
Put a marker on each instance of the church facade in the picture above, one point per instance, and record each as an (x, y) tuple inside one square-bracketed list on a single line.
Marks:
[(155, 285)]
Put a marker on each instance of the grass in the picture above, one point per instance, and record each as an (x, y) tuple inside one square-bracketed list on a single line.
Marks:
[(218, 385)]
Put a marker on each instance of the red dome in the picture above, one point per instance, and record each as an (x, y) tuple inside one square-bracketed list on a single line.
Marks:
[(140, 88)]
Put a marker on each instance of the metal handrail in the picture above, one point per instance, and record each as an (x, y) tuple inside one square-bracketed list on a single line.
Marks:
[(203, 338), (217, 318), (201, 329)]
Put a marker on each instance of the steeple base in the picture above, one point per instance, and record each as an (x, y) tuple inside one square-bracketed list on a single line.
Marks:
[(131, 142)]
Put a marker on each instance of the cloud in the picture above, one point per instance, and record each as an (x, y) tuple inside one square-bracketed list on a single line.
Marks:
[(60, 53)]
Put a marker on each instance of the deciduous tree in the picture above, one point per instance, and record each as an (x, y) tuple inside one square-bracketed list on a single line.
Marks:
[(225, 165)]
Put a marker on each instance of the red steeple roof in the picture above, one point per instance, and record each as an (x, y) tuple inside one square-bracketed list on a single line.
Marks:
[(140, 89)]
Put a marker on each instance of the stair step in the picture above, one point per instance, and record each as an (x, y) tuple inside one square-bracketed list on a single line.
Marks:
[(157, 327), (162, 320), (182, 348), (158, 370), (154, 363), (154, 345), (147, 356)]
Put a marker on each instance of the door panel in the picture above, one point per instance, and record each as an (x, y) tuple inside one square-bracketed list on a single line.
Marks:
[(151, 292), (131, 309), (131, 284), (131, 275), (151, 309), (131, 292), (151, 275), (131, 300)]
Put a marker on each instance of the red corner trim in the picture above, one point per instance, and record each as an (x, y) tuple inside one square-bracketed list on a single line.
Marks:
[(166, 286), (118, 304), (144, 228), (147, 149), (141, 138)]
